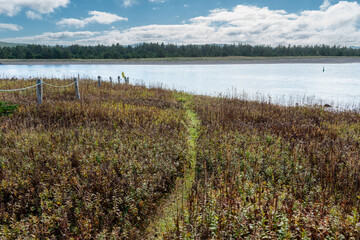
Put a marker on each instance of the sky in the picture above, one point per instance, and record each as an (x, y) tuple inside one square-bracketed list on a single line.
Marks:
[(107, 22)]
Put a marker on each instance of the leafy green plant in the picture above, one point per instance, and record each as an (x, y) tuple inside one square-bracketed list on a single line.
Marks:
[(7, 109)]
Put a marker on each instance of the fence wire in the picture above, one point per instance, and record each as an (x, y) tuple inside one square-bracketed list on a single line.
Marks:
[(58, 86)]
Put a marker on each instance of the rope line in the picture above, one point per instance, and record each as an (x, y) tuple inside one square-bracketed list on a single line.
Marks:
[(51, 85), (20, 89), (87, 81), (58, 86)]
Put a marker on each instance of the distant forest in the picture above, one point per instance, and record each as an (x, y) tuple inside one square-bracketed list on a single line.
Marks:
[(155, 50)]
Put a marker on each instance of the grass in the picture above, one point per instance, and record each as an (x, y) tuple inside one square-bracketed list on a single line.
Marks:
[(129, 162), (174, 205)]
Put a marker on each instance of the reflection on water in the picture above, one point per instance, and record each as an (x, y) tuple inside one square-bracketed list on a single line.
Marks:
[(286, 83)]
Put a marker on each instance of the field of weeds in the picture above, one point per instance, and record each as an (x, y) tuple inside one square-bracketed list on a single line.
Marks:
[(101, 168), (273, 172), (94, 168)]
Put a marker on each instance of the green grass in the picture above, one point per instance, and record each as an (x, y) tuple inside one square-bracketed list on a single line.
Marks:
[(174, 206)]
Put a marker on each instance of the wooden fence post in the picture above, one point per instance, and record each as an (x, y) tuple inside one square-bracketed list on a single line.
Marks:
[(99, 81), (77, 92), (39, 91), (111, 81), (119, 80)]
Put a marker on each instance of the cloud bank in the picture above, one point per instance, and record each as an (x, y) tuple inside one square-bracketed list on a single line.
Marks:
[(336, 24), (62, 38), (10, 27), (129, 3), (33, 15), (95, 17), (13, 7)]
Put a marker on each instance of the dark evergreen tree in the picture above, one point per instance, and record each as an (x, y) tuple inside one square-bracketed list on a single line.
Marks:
[(156, 50)]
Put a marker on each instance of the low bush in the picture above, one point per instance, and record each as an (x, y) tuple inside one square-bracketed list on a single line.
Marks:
[(7, 109)]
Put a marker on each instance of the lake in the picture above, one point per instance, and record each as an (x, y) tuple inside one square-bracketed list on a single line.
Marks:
[(339, 84)]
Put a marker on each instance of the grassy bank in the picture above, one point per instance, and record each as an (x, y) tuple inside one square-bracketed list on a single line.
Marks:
[(103, 166)]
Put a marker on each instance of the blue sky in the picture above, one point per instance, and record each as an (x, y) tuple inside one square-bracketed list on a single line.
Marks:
[(270, 22)]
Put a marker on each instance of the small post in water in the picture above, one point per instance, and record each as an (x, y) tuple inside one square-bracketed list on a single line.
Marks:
[(39, 91), (99, 81), (111, 81), (127, 80), (77, 92), (119, 80)]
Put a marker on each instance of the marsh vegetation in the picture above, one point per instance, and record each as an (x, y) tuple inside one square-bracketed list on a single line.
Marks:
[(273, 172), (99, 167)]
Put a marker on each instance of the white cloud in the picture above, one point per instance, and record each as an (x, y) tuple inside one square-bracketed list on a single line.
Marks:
[(104, 18), (33, 15), (336, 25), (12, 7), (62, 38), (129, 3), (326, 4), (10, 27), (157, 1), (72, 22), (96, 17)]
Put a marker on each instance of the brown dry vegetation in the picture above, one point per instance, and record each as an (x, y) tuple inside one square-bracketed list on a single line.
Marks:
[(273, 172), (94, 168), (97, 168)]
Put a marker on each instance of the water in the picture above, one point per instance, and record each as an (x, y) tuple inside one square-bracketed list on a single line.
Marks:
[(284, 83)]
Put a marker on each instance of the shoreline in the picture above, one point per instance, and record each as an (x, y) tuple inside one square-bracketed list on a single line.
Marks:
[(187, 61)]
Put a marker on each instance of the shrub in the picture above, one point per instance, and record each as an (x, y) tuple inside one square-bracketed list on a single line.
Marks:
[(7, 109)]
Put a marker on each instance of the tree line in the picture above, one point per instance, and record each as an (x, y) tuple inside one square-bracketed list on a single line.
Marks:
[(156, 50)]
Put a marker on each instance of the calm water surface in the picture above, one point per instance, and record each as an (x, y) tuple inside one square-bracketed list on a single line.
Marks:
[(340, 83)]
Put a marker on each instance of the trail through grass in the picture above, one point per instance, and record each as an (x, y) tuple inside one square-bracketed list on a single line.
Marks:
[(173, 206)]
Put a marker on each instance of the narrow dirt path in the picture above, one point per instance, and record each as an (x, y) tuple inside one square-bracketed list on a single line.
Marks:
[(175, 203)]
